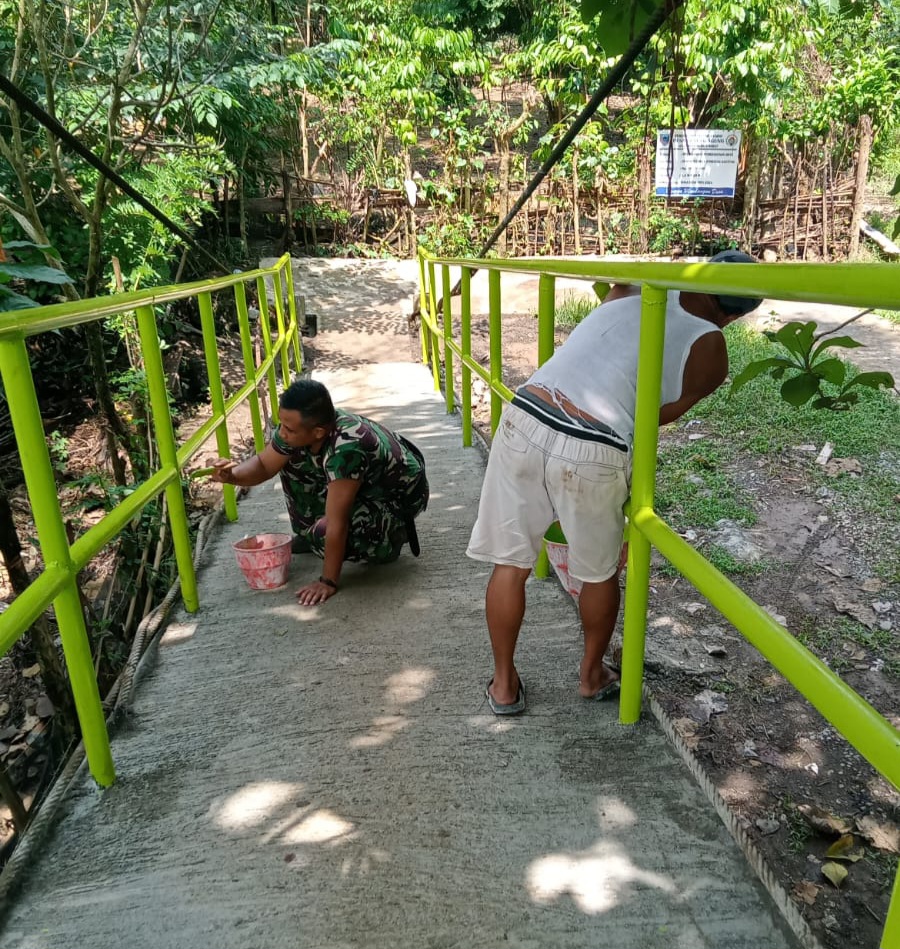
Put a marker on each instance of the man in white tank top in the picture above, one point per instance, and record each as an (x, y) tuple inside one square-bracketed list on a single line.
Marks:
[(563, 452)]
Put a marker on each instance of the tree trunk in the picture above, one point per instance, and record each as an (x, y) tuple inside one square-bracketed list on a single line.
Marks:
[(242, 211), (114, 424), (576, 213), (503, 190), (287, 193), (644, 187), (859, 189)]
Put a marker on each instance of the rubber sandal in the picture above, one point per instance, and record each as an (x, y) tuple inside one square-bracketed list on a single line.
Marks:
[(514, 708), (608, 690)]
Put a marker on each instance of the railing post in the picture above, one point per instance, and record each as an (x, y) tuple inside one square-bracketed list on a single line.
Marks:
[(496, 346), (432, 331), (546, 345), (643, 483), (890, 938), (293, 327), (447, 317), (240, 302), (423, 309), (278, 292), (546, 317), (216, 396), (265, 331), (293, 321), (168, 455), (25, 413), (465, 373)]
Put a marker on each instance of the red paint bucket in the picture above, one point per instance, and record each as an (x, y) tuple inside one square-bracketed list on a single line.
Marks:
[(558, 555), (264, 559)]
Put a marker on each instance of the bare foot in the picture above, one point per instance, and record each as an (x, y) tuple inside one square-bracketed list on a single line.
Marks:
[(592, 681), (504, 691)]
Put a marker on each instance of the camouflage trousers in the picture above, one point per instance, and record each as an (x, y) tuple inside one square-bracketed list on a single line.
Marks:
[(377, 526)]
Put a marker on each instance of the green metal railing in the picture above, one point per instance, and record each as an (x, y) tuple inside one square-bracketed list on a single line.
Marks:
[(858, 285), (56, 585)]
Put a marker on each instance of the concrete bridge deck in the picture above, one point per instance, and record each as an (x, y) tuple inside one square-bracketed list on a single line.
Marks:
[(332, 777)]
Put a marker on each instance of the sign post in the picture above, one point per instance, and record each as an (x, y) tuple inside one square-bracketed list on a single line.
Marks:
[(696, 163)]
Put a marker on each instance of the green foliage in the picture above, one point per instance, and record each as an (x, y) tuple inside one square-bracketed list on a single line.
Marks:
[(766, 424), (807, 368), (669, 230), (58, 446), (462, 237), (620, 20), (145, 247), (27, 267)]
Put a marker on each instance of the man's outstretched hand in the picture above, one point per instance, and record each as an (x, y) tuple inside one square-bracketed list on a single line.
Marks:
[(222, 470)]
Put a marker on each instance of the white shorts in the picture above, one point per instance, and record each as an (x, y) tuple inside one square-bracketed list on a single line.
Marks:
[(536, 476)]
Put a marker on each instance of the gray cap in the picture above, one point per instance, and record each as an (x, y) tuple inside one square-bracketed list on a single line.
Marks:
[(735, 306)]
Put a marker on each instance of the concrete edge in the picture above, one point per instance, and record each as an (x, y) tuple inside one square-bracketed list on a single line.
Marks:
[(755, 858)]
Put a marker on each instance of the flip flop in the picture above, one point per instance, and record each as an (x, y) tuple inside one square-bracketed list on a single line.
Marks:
[(514, 708), (608, 690)]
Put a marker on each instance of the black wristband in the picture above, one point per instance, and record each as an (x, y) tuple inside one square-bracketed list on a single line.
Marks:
[(328, 583)]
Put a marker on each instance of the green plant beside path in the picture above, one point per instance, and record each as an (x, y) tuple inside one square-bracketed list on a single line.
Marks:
[(810, 372)]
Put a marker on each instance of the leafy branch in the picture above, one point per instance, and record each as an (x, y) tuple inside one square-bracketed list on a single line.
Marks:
[(27, 270), (810, 372)]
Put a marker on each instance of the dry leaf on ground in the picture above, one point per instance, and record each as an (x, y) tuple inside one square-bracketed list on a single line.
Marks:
[(806, 891), (834, 873), (823, 821), (842, 849), (882, 835)]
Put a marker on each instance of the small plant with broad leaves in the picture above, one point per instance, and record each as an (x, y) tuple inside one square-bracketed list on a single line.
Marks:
[(810, 371), (28, 266)]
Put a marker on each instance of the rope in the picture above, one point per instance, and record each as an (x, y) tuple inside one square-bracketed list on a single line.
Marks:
[(147, 633)]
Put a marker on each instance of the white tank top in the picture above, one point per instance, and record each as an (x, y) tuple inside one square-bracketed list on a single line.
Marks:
[(596, 368)]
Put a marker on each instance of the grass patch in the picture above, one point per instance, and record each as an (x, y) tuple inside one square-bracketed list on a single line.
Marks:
[(725, 563), (817, 637), (883, 866), (693, 489), (574, 307), (799, 831), (892, 315), (825, 639)]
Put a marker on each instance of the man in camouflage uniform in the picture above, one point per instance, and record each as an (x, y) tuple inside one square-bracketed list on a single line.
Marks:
[(353, 488)]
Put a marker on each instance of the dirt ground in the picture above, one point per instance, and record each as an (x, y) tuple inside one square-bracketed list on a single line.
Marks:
[(797, 787)]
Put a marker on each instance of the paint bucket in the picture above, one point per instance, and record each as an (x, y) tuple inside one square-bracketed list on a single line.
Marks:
[(558, 555), (264, 559)]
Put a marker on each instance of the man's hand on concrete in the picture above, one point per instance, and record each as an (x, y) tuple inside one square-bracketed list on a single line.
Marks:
[(314, 593)]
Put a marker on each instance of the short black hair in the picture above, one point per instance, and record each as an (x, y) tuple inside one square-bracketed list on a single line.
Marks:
[(730, 305), (311, 399)]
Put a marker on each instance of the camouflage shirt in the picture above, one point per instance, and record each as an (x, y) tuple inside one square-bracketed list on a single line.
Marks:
[(358, 449)]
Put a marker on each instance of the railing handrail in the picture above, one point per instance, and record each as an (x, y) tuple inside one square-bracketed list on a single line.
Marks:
[(56, 316), (796, 282)]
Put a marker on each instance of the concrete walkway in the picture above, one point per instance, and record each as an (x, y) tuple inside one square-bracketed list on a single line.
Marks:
[(332, 777)]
